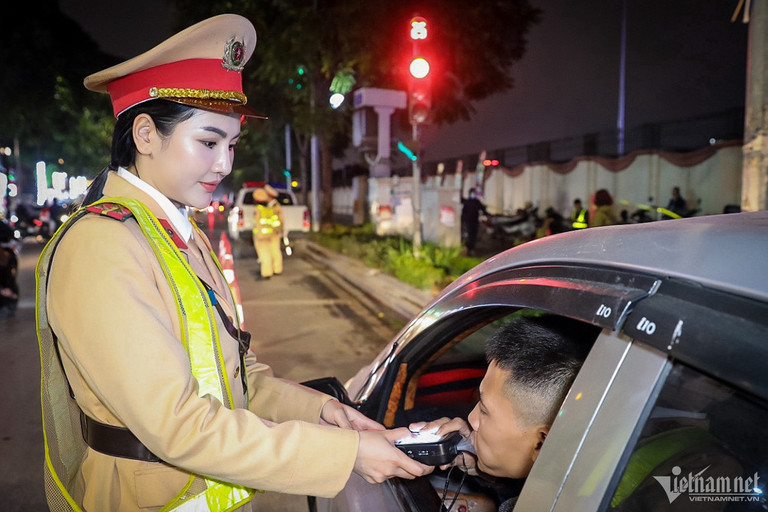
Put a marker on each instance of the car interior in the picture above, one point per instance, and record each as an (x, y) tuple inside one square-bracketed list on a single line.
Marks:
[(445, 383), (711, 433)]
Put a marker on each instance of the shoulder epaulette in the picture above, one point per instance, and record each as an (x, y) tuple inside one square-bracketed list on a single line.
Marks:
[(116, 211)]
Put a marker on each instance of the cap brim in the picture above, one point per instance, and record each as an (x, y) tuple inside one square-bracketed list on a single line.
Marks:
[(219, 106)]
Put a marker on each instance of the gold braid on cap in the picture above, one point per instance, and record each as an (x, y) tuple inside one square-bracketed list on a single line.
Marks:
[(201, 94)]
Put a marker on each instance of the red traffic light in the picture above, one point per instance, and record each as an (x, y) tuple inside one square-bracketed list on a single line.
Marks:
[(490, 163), (419, 83), (419, 67)]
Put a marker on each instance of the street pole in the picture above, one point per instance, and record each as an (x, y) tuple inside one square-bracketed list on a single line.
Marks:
[(754, 175), (315, 169), (288, 162), (622, 79), (416, 193)]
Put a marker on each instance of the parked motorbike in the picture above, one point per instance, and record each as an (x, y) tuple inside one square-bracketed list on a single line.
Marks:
[(9, 267), (650, 213), (30, 221), (520, 227)]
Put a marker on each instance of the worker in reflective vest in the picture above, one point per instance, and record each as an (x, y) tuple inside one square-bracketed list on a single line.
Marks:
[(267, 233), (580, 215), (151, 398)]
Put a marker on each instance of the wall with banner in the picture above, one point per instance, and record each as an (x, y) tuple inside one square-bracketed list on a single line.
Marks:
[(712, 175), (709, 179)]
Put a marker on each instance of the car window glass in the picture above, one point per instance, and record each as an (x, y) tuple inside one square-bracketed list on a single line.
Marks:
[(703, 447), (448, 385)]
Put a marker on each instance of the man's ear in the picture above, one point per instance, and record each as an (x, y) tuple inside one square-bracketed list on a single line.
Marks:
[(541, 435), (143, 132)]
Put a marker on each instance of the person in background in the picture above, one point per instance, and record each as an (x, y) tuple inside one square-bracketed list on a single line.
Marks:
[(603, 215), (267, 232), (677, 203), (580, 215), (471, 208), (274, 201), (152, 398)]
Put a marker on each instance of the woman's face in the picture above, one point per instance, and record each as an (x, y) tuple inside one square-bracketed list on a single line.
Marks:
[(188, 165)]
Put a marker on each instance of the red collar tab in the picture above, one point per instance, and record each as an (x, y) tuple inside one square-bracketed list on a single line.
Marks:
[(115, 211), (173, 234)]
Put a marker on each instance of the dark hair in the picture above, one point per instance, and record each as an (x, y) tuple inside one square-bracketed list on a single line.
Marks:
[(603, 198), (165, 114), (542, 355)]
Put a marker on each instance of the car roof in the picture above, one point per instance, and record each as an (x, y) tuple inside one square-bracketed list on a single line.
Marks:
[(727, 252)]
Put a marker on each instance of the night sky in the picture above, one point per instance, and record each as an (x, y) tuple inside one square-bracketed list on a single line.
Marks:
[(684, 59)]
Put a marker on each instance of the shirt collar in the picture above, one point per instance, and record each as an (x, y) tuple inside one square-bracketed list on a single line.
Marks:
[(176, 216)]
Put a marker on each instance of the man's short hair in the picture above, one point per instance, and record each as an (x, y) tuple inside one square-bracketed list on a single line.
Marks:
[(542, 354)]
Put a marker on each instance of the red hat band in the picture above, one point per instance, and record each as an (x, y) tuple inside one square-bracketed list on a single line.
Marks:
[(202, 79)]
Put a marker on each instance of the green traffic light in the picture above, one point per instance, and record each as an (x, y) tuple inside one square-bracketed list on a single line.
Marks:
[(406, 151)]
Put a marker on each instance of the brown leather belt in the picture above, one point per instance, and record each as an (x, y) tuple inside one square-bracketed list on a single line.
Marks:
[(114, 441)]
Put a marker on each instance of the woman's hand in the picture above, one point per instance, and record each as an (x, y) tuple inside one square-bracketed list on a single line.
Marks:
[(378, 459), (340, 415), (465, 460)]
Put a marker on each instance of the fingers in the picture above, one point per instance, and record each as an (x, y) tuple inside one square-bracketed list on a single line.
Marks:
[(395, 434), (466, 462), (362, 422), (333, 414), (442, 426), (378, 459)]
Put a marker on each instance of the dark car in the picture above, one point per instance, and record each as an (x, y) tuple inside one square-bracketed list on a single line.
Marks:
[(676, 378)]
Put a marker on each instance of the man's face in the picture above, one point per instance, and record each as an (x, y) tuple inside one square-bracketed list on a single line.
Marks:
[(506, 446)]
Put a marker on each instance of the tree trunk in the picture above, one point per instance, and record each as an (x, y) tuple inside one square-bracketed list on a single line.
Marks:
[(302, 143), (326, 172)]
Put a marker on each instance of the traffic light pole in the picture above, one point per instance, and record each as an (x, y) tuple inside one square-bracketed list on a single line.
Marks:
[(416, 195)]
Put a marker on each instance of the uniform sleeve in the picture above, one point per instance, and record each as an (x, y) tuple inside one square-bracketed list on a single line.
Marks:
[(281, 400), (108, 305)]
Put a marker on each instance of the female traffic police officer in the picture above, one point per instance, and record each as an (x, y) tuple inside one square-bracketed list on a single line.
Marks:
[(145, 400)]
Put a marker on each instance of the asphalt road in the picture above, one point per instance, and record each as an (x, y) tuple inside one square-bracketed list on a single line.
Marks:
[(305, 324)]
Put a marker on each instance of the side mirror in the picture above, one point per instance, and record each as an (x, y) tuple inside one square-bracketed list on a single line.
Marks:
[(330, 386)]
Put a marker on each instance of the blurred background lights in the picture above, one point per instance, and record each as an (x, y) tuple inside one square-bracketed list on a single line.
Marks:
[(336, 100)]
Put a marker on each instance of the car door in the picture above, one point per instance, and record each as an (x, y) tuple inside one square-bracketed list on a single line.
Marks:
[(684, 423)]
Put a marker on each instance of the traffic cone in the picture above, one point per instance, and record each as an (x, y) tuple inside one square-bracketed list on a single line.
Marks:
[(228, 269)]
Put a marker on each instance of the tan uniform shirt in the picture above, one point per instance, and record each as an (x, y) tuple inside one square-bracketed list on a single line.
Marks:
[(115, 317)]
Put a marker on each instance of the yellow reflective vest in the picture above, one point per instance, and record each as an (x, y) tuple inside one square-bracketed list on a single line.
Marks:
[(268, 221), (64, 444), (580, 219)]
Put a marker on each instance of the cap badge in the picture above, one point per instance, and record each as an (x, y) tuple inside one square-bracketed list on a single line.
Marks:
[(234, 53)]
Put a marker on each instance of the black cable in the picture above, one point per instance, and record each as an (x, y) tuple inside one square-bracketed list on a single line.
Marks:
[(445, 489)]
